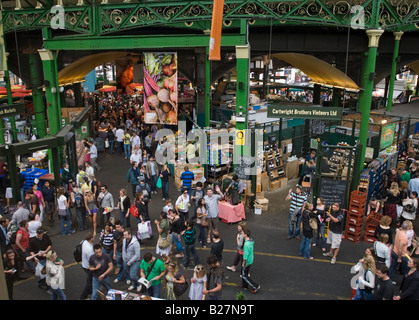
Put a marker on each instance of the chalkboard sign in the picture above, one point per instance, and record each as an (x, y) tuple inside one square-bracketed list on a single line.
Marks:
[(333, 190)]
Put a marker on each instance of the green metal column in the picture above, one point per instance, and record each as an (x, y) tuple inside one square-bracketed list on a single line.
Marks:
[(337, 97), (366, 96), (37, 95), (397, 37), (10, 101), (242, 92), (316, 94), (78, 99), (207, 89), (48, 64)]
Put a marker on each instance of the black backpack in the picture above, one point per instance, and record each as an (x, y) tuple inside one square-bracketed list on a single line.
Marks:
[(77, 253)]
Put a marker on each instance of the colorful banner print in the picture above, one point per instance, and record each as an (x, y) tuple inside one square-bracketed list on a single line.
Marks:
[(160, 88), (387, 136)]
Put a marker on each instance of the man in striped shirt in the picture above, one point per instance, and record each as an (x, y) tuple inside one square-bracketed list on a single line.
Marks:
[(187, 177), (298, 198)]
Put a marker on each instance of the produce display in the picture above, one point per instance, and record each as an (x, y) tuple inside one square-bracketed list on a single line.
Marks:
[(160, 88)]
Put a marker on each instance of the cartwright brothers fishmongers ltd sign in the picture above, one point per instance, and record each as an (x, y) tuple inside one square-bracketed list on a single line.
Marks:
[(304, 111)]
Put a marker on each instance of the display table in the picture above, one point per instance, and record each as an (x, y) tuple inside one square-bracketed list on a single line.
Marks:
[(229, 213), (125, 295)]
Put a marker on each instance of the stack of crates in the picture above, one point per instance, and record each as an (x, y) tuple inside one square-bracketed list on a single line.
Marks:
[(373, 220), (355, 217), (30, 176)]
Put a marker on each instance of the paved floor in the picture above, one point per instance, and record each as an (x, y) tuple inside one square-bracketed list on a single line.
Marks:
[(281, 272)]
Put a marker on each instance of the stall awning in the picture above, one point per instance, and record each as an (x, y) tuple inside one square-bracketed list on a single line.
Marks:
[(318, 70), (414, 66), (77, 71)]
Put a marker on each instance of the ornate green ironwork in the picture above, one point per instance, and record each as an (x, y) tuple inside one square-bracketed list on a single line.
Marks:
[(101, 18)]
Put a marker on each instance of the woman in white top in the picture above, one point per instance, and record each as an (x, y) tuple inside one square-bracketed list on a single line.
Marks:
[(382, 250), (64, 212), (366, 280), (182, 205), (55, 276), (34, 224)]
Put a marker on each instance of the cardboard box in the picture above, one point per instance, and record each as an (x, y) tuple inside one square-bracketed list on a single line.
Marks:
[(258, 188), (264, 207), (262, 201), (260, 195), (275, 184), (283, 182)]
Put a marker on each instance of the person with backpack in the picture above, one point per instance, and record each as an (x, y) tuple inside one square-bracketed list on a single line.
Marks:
[(77, 199), (85, 251), (80, 175)]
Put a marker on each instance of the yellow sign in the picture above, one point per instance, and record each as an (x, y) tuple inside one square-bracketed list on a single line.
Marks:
[(240, 138)]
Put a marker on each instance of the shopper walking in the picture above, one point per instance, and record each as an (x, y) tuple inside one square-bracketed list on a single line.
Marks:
[(298, 198), (320, 212), (214, 287), (106, 205), (189, 236), (164, 176), (131, 256), (100, 264), (307, 213), (247, 262), (55, 276), (63, 205), (334, 237), (238, 257), (87, 251), (211, 202), (133, 177)]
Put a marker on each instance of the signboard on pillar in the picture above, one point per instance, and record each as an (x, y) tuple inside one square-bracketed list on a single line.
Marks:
[(240, 138)]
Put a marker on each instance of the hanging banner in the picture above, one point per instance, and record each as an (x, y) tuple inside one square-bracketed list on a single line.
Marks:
[(3, 61), (160, 88), (387, 136), (216, 28)]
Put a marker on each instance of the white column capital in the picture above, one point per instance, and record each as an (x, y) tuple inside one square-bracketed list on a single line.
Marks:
[(398, 35), (374, 36)]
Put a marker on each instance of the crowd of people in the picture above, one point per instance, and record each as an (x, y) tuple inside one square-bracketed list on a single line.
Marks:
[(396, 244), (113, 242)]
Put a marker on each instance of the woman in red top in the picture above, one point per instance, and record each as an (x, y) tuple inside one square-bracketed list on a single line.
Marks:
[(22, 246)]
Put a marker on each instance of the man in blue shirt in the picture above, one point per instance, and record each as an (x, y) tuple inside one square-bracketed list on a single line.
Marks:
[(414, 184), (187, 177)]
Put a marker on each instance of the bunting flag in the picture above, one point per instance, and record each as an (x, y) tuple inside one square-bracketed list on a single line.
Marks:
[(216, 28)]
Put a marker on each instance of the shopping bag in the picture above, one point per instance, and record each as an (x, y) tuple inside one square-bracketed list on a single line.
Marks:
[(158, 183)]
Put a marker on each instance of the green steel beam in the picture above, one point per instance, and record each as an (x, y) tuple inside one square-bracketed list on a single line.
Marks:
[(139, 42), (100, 19)]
